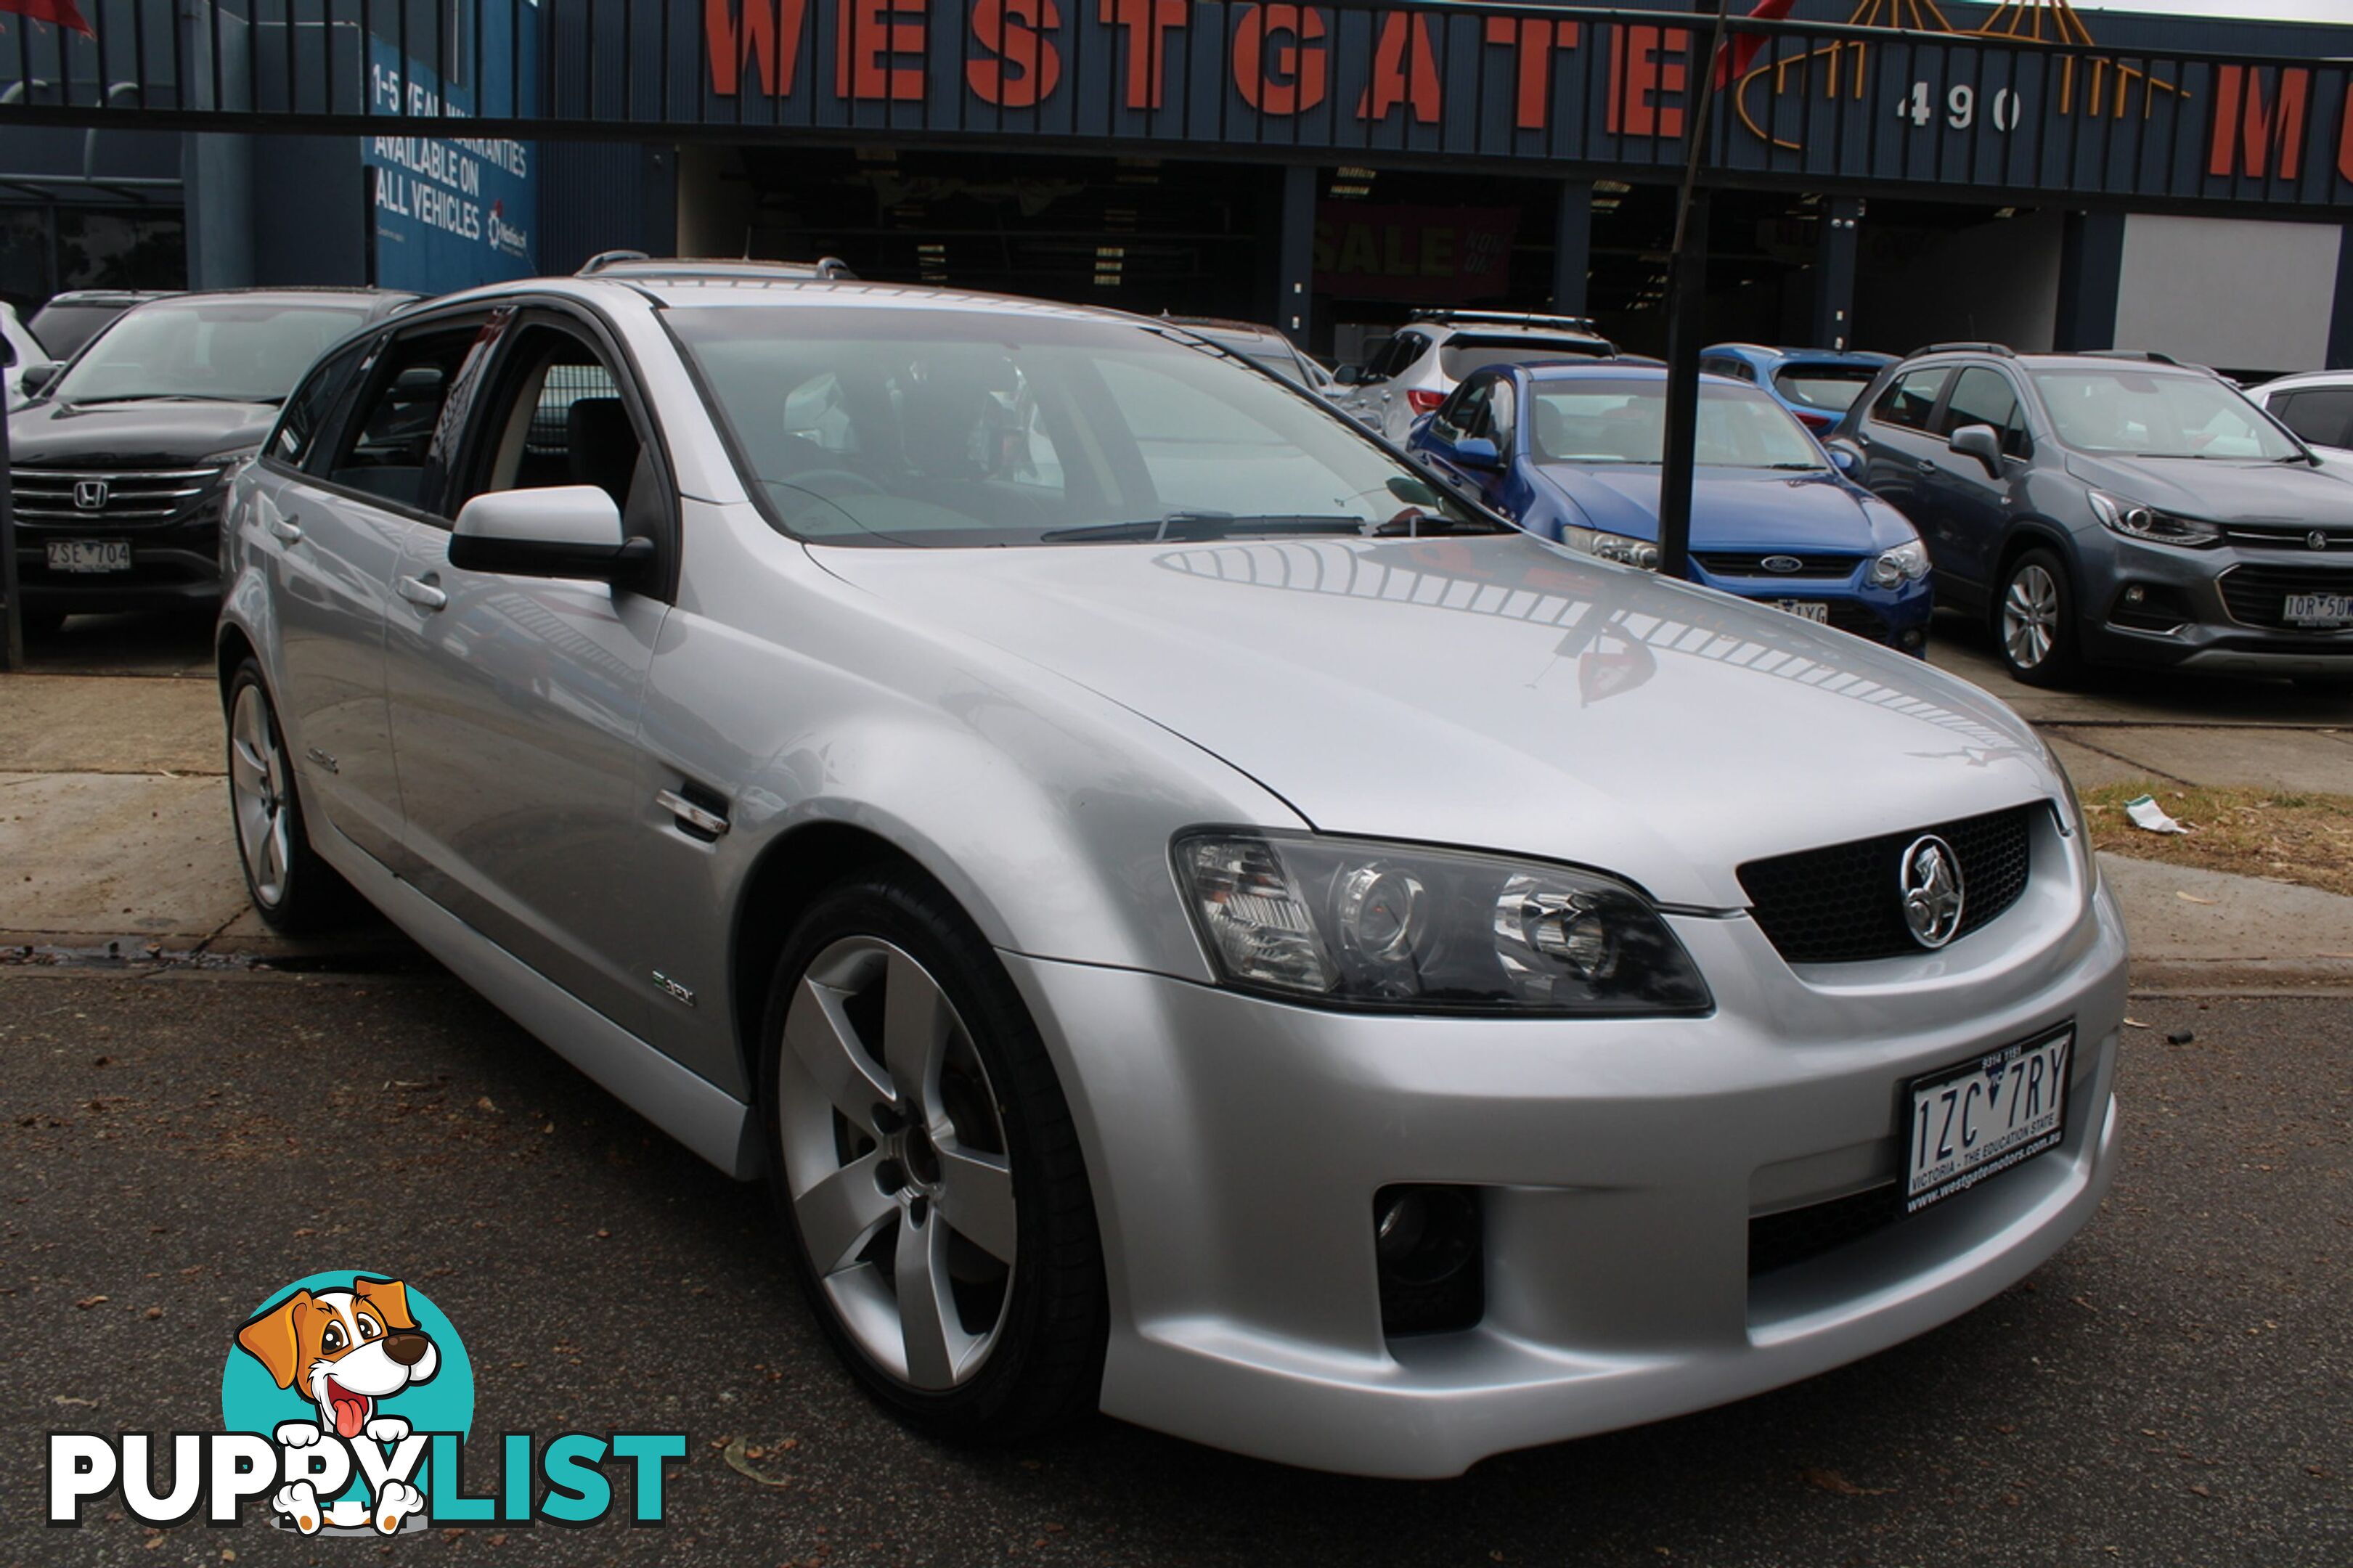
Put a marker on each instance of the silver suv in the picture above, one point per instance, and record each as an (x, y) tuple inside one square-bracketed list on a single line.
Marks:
[(1413, 373)]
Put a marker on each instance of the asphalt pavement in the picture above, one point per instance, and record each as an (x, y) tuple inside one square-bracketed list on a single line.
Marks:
[(2176, 1387)]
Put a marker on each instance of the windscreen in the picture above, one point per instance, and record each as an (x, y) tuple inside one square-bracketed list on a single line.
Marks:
[(222, 351), (2155, 414), (1598, 422), (1832, 388), (936, 427), (1463, 355)]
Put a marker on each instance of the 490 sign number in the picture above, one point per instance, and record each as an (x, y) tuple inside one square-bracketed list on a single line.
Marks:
[(1960, 107)]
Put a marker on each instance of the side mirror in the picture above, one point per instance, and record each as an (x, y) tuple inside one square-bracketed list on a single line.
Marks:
[(39, 378), (1349, 375), (1979, 441), (1477, 452), (560, 530), (1845, 459)]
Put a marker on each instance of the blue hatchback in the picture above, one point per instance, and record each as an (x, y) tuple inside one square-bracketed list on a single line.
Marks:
[(1570, 452), (1817, 386)]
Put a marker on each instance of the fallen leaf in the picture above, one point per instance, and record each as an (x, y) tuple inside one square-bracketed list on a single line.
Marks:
[(2135, 1024), (2192, 898), (738, 1457), (2200, 1491), (87, 1303), (1831, 1482), (69, 1399), (485, 1104)]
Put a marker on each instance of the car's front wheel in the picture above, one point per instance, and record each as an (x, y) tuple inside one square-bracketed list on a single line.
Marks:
[(926, 1166), (2035, 620)]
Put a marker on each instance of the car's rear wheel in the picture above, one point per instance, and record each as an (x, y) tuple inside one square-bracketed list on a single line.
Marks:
[(926, 1166), (293, 889), (2035, 620)]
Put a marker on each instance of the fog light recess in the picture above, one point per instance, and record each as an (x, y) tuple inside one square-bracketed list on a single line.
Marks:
[(1428, 1245)]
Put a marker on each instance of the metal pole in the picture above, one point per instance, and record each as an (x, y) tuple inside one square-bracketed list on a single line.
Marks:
[(1686, 325), (12, 609)]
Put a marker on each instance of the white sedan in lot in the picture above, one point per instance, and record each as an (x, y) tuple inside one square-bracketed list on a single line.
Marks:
[(1186, 920)]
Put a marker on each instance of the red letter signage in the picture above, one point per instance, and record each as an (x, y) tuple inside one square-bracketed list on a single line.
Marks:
[(1027, 64), (1405, 70), (772, 50), (1644, 63), (2247, 130), (1279, 67), (1534, 39), (1146, 25), (874, 34)]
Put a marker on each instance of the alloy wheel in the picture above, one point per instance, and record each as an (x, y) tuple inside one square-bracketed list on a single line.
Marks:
[(2030, 616), (258, 785), (895, 1164)]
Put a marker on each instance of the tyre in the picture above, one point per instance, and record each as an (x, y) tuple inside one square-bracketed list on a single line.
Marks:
[(294, 890), (2035, 620), (925, 1168)]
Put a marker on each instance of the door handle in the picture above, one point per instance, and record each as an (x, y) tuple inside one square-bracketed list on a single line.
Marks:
[(1927, 466), (417, 591), (288, 530)]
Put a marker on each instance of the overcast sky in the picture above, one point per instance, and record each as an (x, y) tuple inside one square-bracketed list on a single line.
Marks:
[(2268, 10)]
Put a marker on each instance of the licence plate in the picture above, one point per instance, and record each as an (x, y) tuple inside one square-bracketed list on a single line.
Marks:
[(90, 555), (1806, 609), (1978, 1120), (2317, 609)]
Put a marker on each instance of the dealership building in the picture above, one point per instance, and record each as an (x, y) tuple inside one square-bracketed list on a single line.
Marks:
[(1882, 173)]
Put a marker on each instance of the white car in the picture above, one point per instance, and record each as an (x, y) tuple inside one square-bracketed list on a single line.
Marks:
[(2318, 406), (1411, 373), (1187, 920), (24, 351)]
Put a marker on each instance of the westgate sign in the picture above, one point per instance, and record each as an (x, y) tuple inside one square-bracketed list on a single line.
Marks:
[(1975, 106), (1862, 103)]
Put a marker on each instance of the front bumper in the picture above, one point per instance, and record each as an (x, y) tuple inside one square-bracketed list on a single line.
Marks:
[(1236, 1145), (1897, 617), (2188, 620)]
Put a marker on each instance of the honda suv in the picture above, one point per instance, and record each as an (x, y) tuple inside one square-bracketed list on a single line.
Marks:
[(2113, 507), (1432, 354)]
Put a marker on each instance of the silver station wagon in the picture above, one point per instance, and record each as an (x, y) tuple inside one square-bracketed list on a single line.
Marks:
[(1186, 920)]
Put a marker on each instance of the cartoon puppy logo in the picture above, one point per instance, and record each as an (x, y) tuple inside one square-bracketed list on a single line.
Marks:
[(347, 1350)]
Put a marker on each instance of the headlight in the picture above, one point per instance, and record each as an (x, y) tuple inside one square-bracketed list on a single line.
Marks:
[(1613, 547), (1359, 924), (1904, 563), (2135, 520)]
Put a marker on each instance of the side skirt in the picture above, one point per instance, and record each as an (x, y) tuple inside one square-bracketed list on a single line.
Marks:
[(690, 1107)]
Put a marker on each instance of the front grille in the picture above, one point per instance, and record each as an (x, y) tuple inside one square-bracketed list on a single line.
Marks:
[(134, 498), (1846, 903), (1751, 564), (1793, 1235), (2257, 596), (2296, 536)]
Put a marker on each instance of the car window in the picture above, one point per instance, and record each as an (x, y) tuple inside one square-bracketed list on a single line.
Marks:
[(1983, 397), (1399, 356), (1911, 397), (2152, 413), (940, 427), (557, 414), (1501, 418), (309, 415), (2321, 415), (1721, 364), (1464, 413), (1601, 422), (206, 350), (387, 446), (1832, 388), (1465, 354)]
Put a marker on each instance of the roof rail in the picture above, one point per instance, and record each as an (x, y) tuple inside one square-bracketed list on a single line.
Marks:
[(2004, 350), (604, 258), (637, 264), (1508, 318), (2149, 356)]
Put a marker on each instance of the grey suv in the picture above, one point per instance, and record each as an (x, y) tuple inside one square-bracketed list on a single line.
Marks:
[(2113, 508)]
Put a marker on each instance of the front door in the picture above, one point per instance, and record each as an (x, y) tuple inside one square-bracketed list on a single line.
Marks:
[(515, 700), (1971, 507)]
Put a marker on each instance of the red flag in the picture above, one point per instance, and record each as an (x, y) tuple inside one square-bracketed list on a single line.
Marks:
[(61, 12), (1739, 53)]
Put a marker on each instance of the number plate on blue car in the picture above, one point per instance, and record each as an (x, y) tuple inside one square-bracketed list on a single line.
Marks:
[(1986, 1116), (1815, 610)]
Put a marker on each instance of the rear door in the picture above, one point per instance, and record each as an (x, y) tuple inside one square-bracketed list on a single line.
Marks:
[(515, 700), (328, 549), (1898, 446)]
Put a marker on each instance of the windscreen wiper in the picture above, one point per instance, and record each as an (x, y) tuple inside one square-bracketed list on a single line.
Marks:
[(1199, 525)]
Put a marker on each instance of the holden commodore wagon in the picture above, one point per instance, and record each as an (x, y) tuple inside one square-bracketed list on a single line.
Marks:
[(1036, 794)]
